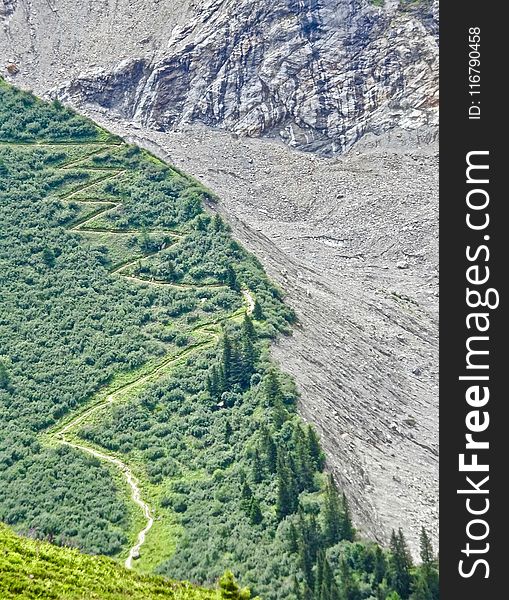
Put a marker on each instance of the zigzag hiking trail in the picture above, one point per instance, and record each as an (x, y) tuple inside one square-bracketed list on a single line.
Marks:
[(210, 332)]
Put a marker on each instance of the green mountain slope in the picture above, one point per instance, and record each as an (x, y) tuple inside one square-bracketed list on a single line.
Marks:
[(141, 415), (33, 569)]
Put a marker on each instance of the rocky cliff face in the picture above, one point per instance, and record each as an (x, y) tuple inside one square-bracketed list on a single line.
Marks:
[(352, 238), (317, 74)]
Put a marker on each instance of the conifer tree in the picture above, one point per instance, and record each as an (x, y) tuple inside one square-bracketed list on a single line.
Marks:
[(217, 223), (4, 377), (274, 395), (421, 590), (427, 585), (227, 359), (319, 574), (231, 279), (247, 492), (227, 432), (273, 387), (328, 582), (382, 590), (313, 536), (257, 311), (296, 589), (307, 552), (201, 223), (248, 360), (400, 564), (270, 450), (426, 549), (248, 328), (255, 512), (257, 473), (380, 566), (214, 383), (237, 369), (314, 448), (332, 514), (293, 539), (349, 586), (347, 530), (304, 466), (287, 495)]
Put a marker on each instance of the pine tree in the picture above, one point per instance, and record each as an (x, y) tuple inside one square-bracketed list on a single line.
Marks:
[(304, 466), (328, 582), (349, 586), (273, 387), (293, 539), (257, 473), (247, 497), (248, 360), (275, 398), (248, 328), (296, 589), (426, 549), (313, 536), (399, 565), (237, 370), (4, 377), (201, 223), (231, 279), (227, 359), (48, 256), (421, 589), (213, 384), (382, 590), (287, 495), (314, 448), (249, 353), (332, 514), (255, 513), (227, 432), (335, 593), (307, 551), (380, 566), (404, 548), (257, 311), (247, 492), (269, 449), (347, 530), (427, 585), (145, 243), (319, 574), (217, 223)]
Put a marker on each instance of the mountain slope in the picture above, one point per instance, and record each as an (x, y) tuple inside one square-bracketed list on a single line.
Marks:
[(353, 239), (32, 569), (135, 373)]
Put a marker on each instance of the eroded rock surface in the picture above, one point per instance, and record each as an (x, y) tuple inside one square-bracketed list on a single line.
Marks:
[(317, 74)]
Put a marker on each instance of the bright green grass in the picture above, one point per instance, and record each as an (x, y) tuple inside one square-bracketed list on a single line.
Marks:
[(37, 570)]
